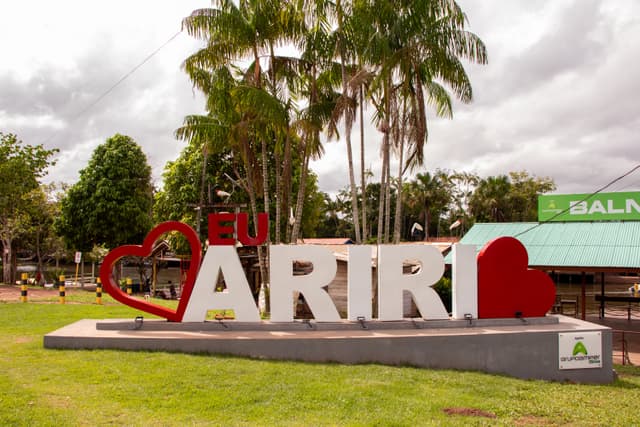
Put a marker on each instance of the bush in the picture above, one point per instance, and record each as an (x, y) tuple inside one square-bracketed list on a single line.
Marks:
[(443, 288)]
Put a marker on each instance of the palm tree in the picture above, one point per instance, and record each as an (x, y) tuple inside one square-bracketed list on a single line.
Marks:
[(415, 45), (316, 78), (490, 200), (464, 184), (235, 33), (343, 50), (430, 196)]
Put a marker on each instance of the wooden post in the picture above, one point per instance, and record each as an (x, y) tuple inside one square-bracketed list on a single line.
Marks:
[(154, 277), (583, 296), (602, 294)]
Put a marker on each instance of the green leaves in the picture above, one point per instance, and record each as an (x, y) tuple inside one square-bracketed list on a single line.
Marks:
[(111, 203), (21, 167)]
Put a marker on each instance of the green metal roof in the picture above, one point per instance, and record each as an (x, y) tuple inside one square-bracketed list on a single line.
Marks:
[(576, 244)]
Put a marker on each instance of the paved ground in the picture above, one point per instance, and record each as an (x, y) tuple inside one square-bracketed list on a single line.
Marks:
[(626, 337)]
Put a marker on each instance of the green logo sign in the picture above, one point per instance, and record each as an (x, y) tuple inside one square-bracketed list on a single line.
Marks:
[(623, 206), (579, 348)]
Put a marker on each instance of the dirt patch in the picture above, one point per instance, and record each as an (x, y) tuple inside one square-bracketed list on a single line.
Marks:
[(10, 293), (469, 412), (531, 420)]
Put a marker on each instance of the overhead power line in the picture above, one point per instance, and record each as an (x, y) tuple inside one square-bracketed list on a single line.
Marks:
[(626, 174), (116, 84)]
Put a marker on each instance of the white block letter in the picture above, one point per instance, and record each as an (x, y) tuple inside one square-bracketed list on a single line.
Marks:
[(284, 283), (392, 282), (464, 281), (359, 283), (577, 208), (237, 296)]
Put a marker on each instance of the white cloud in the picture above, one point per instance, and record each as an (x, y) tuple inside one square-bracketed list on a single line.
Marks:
[(558, 97)]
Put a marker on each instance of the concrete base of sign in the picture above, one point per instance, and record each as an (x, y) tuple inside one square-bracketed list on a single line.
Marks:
[(523, 348)]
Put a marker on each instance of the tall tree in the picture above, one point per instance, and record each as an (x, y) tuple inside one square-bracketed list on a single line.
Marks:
[(463, 185), (525, 190), (346, 53), (317, 77), (235, 33), (21, 167), (40, 238), (416, 47), (490, 200), (192, 182), (111, 203), (507, 198), (429, 198)]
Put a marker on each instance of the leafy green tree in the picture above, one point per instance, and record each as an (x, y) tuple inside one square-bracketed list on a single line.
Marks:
[(236, 33), (330, 224), (463, 185), (111, 203), (401, 56), (192, 182), (508, 198), (490, 200), (341, 209), (429, 199), (21, 167), (40, 237), (525, 190)]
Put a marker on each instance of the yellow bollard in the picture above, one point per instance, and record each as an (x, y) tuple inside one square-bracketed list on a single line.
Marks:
[(129, 286), (98, 291), (23, 287), (61, 289)]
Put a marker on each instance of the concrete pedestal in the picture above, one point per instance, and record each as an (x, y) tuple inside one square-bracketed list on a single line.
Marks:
[(522, 348)]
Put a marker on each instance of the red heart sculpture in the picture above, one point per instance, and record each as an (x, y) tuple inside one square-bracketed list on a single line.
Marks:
[(144, 250), (507, 288)]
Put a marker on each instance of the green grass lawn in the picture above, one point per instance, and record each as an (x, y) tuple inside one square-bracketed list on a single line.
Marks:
[(101, 387)]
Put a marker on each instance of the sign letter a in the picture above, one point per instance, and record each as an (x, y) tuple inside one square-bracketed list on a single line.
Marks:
[(237, 296)]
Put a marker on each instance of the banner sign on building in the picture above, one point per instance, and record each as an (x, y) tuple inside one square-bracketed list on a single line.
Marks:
[(579, 350), (624, 206)]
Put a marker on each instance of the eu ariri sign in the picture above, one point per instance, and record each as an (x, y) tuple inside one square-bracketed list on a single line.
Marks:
[(496, 283)]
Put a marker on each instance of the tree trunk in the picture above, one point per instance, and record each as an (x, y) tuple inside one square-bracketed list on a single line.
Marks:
[(385, 160), (7, 258), (402, 136), (289, 200), (262, 256), (387, 195), (352, 184), (203, 177), (300, 199), (427, 217), (40, 267), (396, 222), (278, 198), (265, 177), (363, 183), (347, 131), (381, 202)]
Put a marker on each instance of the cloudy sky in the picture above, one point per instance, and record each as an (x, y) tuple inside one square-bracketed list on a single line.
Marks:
[(558, 98)]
